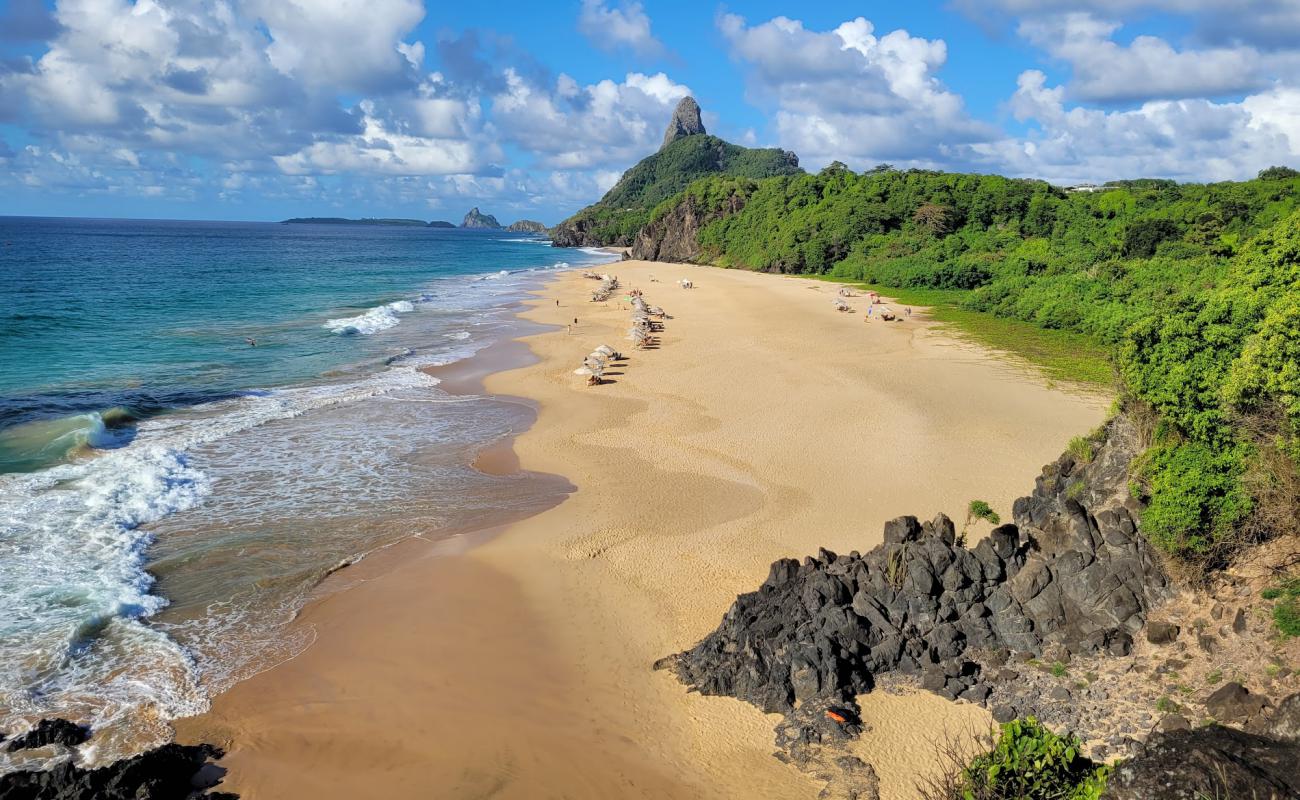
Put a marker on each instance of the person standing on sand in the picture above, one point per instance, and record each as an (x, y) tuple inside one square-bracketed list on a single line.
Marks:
[(909, 311)]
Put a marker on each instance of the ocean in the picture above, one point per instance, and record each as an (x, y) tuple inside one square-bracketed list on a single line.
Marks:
[(200, 420)]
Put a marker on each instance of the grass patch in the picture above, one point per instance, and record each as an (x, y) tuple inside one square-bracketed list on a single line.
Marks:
[(1166, 706), (1286, 606), (1058, 669), (1214, 677), (1059, 355)]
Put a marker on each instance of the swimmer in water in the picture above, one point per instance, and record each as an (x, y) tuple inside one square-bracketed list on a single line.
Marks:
[(251, 341)]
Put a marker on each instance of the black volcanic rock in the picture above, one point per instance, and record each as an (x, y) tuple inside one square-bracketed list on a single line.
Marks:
[(685, 122), (477, 219), (51, 731), (170, 772), (1071, 573), (1213, 761)]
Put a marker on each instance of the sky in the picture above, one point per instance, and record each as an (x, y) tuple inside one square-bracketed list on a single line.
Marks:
[(266, 109)]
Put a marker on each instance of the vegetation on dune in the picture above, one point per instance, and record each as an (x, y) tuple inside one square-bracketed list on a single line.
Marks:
[(1192, 292), (624, 209), (1028, 760)]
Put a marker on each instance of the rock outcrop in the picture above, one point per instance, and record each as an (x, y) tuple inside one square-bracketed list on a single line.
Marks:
[(1071, 573), (51, 731), (674, 236), (685, 122), (1215, 761), (170, 772), (526, 226), (477, 219)]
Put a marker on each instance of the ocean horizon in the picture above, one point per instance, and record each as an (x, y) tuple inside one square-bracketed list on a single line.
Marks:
[(200, 420)]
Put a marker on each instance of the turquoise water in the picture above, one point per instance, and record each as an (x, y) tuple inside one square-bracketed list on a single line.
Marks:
[(198, 421)]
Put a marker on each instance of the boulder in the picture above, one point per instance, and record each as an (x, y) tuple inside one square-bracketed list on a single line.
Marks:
[(1161, 632), (51, 731), (1207, 762), (1233, 702)]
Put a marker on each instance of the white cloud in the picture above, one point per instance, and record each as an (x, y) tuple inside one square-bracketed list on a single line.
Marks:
[(438, 144), (344, 44), (1188, 139), (848, 94), (569, 126), (627, 26), (1147, 68)]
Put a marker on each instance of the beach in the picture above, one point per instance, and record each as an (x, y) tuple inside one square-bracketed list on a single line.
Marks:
[(516, 662)]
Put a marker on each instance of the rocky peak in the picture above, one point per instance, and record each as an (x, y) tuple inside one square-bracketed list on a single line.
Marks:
[(685, 122), (477, 219)]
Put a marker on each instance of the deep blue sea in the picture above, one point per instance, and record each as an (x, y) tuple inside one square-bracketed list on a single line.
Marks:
[(199, 420)]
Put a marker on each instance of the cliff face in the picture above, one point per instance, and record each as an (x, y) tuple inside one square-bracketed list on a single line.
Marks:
[(675, 235), (685, 122), (526, 226), (477, 219)]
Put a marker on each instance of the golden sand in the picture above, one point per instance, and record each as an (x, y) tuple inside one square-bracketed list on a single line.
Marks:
[(765, 425)]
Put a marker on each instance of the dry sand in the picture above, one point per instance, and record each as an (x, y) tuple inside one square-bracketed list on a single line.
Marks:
[(766, 425)]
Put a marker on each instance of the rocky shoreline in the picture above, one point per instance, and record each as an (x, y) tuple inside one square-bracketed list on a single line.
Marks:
[(1041, 618), (170, 772)]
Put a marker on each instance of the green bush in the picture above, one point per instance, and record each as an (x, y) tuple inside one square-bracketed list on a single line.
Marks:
[(1286, 609), (1029, 761)]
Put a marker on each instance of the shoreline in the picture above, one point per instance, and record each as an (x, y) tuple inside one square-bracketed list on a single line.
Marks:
[(684, 494)]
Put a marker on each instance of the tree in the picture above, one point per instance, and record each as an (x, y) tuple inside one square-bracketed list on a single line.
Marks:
[(1143, 237), (1277, 173), (937, 219)]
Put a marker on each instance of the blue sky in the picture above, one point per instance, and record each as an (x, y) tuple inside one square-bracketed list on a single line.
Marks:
[(263, 109)]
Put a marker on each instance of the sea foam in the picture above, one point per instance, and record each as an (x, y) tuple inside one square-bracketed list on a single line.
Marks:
[(373, 321)]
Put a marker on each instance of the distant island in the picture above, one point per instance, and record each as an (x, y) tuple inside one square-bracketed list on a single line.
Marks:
[(477, 219), (411, 223), (526, 226)]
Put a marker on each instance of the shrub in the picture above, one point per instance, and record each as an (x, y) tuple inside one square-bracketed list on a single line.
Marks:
[(1286, 609), (1028, 761)]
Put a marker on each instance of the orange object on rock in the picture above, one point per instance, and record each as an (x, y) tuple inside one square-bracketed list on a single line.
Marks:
[(837, 717)]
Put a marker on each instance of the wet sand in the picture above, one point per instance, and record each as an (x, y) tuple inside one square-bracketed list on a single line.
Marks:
[(516, 663)]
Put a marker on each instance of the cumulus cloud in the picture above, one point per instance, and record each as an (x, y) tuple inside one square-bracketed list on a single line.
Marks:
[(571, 126), (1264, 24), (851, 95), (613, 29), (1147, 68), (1189, 139)]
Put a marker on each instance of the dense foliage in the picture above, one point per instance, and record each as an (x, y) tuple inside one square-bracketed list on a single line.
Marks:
[(1028, 761), (617, 216), (1194, 288)]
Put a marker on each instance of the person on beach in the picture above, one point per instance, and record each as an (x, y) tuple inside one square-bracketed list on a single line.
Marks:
[(909, 311)]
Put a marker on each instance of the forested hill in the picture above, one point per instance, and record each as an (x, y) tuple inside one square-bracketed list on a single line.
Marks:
[(617, 216), (1194, 289)]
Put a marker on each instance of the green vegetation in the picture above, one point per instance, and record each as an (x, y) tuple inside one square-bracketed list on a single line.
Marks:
[(616, 217), (1028, 761), (1187, 294), (1286, 608), (1167, 706), (1058, 669), (1214, 677)]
